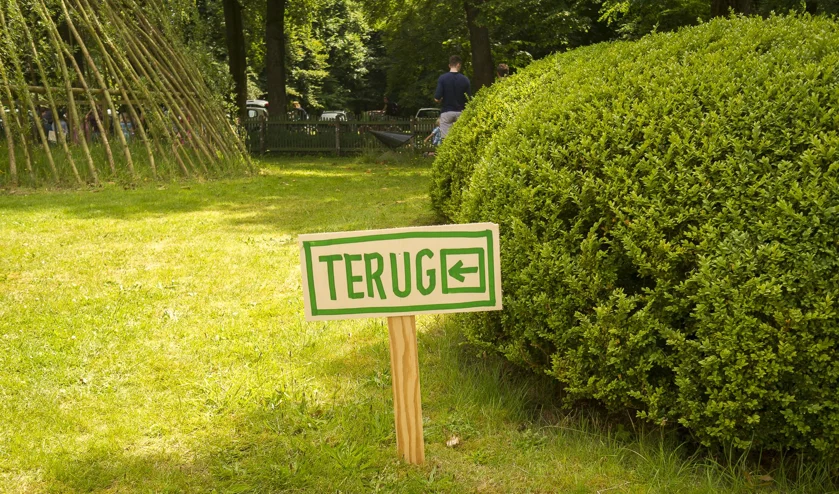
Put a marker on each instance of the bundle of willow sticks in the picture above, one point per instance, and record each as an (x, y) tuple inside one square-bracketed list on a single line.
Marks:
[(96, 89)]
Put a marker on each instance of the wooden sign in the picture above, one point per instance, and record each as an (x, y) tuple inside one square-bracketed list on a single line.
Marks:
[(399, 273), (404, 271)]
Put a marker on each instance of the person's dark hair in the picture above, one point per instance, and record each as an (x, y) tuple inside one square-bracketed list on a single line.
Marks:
[(455, 60), (503, 70)]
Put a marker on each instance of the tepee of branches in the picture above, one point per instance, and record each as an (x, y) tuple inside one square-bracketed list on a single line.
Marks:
[(94, 90)]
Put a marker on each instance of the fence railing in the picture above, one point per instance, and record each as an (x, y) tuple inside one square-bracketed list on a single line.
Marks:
[(331, 136)]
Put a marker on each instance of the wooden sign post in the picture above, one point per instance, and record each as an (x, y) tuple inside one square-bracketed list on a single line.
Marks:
[(404, 374), (397, 274)]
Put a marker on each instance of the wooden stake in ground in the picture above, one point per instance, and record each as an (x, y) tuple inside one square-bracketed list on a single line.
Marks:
[(59, 130), (10, 142), (109, 104), (219, 125), (122, 82), (75, 118), (26, 98), (11, 118), (113, 55), (407, 403)]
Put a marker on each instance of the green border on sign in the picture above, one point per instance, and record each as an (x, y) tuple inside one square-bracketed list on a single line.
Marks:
[(307, 251), (444, 271)]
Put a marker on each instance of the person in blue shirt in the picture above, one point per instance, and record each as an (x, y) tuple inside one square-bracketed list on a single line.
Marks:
[(436, 137), (453, 89)]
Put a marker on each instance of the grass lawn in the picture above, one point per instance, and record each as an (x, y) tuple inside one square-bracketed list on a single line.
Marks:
[(152, 340)]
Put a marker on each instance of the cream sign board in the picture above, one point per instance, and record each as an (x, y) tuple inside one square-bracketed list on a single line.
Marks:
[(402, 271)]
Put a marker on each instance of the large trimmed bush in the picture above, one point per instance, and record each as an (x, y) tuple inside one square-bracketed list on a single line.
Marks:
[(669, 214)]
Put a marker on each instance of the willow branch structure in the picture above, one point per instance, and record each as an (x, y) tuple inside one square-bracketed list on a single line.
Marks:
[(96, 90)]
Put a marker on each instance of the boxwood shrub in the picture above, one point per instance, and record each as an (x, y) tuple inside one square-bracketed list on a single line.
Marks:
[(669, 215)]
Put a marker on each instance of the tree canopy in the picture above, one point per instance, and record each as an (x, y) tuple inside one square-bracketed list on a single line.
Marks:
[(349, 54)]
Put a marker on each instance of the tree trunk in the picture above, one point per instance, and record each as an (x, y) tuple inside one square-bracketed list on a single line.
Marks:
[(721, 8), (275, 56), (482, 66), (235, 33)]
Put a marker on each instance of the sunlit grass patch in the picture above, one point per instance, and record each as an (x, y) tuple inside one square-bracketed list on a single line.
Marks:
[(153, 340)]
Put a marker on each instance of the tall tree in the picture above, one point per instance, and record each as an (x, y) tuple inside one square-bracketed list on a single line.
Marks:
[(353, 81), (482, 66), (236, 59), (275, 60)]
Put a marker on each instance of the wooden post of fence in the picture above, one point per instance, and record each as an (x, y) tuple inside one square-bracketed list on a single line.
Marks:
[(413, 127), (337, 137), (263, 124)]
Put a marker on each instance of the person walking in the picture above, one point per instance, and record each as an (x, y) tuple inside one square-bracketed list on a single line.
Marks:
[(453, 88), (298, 112)]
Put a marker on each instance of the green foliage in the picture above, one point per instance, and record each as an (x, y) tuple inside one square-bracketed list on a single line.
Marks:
[(329, 53), (347, 54), (668, 210), (785, 6), (347, 36), (526, 29), (634, 18), (420, 35), (329, 56), (419, 38)]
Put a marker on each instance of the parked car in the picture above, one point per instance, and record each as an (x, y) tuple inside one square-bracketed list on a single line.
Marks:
[(335, 115), (257, 108), (257, 112), (257, 103), (428, 113)]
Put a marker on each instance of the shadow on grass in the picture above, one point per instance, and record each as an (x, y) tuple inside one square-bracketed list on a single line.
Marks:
[(109, 470), (293, 195), (504, 418), (347, 441), (306, 437)]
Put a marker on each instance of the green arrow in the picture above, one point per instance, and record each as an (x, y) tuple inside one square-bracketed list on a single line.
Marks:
[(457, 271)]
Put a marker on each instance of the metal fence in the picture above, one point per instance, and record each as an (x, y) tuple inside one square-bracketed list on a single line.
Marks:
[(277, 135)]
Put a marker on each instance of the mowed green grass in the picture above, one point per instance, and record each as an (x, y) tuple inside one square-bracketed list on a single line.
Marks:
[(153, 340)]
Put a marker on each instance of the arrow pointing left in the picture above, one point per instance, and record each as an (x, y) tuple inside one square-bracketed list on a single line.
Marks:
[(457, 271)]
